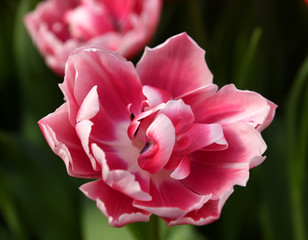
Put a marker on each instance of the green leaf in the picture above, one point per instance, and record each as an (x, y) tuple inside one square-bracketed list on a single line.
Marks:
[(246, 63), (297, 136)]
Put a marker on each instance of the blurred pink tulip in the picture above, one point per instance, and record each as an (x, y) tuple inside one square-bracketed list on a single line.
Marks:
[(57, 27), (159, 138)]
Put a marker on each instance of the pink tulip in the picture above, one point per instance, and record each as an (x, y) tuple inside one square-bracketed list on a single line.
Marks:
[(57, 27), (159, 138)]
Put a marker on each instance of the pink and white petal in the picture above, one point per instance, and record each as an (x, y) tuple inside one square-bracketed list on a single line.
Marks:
[(83, 130), (216, 172), (117, 207), (198, 137), (93, 124), (89, 107), (183, 169), (64, 142), (67, 88), (155, 96), (135, 123), (177, 65), (122, 180), (210, 212), (116, 79), (158, 150), (217, 146), (199, 95), (269, 118), (231, 105), (171, 199), (180, 114)]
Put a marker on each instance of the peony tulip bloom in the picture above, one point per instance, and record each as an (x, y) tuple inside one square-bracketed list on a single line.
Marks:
[(159, 138), (57, 27)]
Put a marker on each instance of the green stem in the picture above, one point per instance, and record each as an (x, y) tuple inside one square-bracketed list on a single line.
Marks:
[(155, 227)]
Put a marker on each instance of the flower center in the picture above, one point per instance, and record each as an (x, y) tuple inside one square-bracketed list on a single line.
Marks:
[(157, 133)]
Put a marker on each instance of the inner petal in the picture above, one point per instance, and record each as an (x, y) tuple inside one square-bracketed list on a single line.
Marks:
[(161, 137)]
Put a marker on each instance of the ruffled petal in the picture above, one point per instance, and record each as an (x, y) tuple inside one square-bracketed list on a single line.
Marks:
[(180, 115), (231, 105), (89, 107), (210, 212), (171, 199), (155, 96), (269, 118), (117, 82), (64, 142), (177, 66), (117, 207), (157, 151), (197, 96), (121, 180), (198, 136), (183, 168), (216, 172)]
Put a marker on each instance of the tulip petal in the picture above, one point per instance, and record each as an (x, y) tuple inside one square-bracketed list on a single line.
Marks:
[(107, 71), (155, 96), (183, 169), (64, 142), (116, 206), (180, 114), (215, 172), (171, 199), (208, 213), (230, 105), (199, 136), (121, 180), (177, 66), (162, 137)]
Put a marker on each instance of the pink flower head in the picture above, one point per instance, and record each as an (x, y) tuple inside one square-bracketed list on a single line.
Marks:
[(159, 138), (59, 26)]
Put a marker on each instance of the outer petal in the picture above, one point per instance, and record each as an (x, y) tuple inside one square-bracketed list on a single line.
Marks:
[(170, 198), (216, 172), (64, 142), (270, 116), (177, 65), (208, 213), (230, 105), (116, 79), (115, 206)]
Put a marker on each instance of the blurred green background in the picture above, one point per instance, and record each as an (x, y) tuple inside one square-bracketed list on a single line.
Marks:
[(260, 45)]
